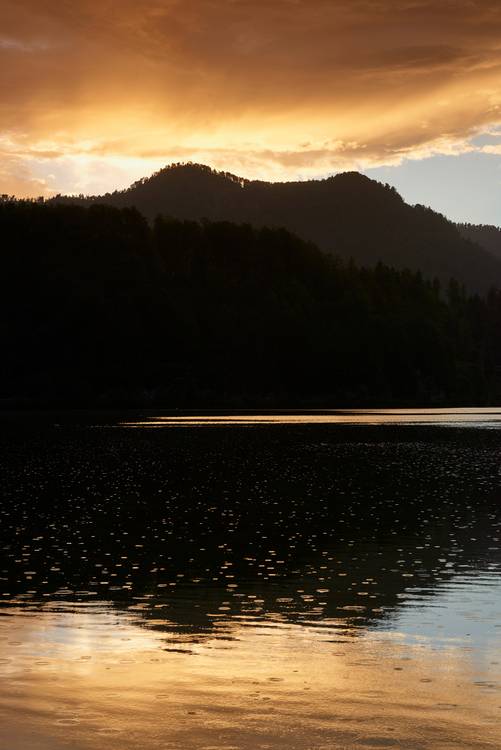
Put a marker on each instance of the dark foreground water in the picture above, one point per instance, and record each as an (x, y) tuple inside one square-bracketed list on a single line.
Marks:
[(250, 582)]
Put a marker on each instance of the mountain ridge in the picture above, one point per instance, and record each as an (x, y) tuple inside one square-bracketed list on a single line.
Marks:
[(348, 215), (487, 236), (99, 307)]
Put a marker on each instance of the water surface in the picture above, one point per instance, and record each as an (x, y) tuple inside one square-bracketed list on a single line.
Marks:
[(326, 580)]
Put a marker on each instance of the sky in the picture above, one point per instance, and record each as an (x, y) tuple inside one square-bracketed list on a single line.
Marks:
[(97, 93)]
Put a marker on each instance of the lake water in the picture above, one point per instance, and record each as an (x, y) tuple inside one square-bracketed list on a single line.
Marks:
[(240, 582)]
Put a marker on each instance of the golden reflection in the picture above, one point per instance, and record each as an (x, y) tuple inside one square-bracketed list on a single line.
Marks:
[(97, 678), (465, 416)]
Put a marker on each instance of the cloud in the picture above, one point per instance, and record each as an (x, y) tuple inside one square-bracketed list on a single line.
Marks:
[(16, 178), (243, 84)]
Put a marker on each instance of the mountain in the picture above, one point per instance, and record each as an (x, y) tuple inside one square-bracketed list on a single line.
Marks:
[(100, 307), (485, 235), (348, 215)]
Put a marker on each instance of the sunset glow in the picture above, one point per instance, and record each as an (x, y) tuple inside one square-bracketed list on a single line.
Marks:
[(97, 94)]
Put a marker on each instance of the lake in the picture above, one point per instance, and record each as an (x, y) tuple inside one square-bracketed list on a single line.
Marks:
[(299, 581)]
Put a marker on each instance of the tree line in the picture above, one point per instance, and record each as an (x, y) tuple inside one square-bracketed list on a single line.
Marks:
[(99, 307), (347, 215)]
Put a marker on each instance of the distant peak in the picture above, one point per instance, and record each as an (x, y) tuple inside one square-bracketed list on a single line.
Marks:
[(192, 170), (194, 173), (352, 175)]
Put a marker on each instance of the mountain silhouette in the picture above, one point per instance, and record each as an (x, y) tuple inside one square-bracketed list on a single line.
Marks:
[(348, 215), (100, 307), (485, 235)]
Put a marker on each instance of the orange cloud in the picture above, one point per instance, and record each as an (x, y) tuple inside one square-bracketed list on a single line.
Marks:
[(275, 88)]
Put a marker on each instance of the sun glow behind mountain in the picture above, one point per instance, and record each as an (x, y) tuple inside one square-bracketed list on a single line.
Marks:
[(96, 94)]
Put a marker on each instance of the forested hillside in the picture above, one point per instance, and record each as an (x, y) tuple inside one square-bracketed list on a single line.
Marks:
[(348, 215), (485, 235), (99, 307)]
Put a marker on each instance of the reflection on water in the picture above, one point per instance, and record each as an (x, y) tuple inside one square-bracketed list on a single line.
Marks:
[(467, 417), (98, 677), (326, 586)]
